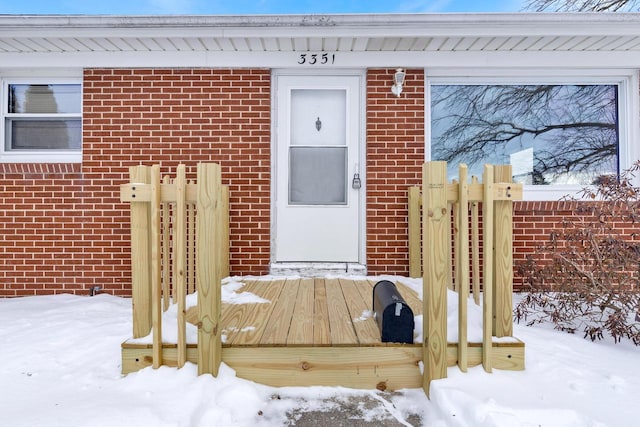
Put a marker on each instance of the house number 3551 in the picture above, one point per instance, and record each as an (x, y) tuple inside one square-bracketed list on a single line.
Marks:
[(316, 58)]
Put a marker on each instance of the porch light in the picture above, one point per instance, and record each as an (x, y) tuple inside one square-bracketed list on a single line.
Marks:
[(398, 81)]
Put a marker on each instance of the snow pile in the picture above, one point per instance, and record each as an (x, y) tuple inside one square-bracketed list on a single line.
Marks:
[(229, 295), (60, 366)]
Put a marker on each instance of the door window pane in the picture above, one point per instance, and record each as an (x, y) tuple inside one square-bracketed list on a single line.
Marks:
[(317, 175), (550, 134), (318, 117)]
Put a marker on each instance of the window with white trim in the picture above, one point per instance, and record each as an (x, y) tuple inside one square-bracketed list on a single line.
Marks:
[(559, 136), (42, 121)]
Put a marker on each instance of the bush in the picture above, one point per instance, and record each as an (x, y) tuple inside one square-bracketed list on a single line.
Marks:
[(585, 278)]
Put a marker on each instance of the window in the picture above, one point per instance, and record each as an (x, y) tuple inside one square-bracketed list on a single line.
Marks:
[(42, 121), (556, 136)]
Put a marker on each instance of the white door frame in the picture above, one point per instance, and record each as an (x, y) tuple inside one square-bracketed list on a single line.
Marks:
[(360, 267)]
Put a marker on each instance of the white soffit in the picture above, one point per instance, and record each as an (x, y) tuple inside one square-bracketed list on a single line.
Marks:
[(520, 32)]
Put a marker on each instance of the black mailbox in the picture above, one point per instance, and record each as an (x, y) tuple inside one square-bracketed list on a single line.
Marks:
[(392, 313)]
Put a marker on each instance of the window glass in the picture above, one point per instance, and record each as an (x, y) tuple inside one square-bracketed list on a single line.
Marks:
[(42, 118), (44, 134), (550, 134), (44, 99), (318, 175)]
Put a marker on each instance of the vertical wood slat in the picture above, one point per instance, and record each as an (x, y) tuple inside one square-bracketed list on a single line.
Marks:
[(156, 291), (224, 233), (453, 241), (140, 253), (503, 259), (487, 262), (462, 264), (208, 269), (191, 243), (435, 220), (475, 247), (414, 232), (180, 254), (449, 244), (166, 251)]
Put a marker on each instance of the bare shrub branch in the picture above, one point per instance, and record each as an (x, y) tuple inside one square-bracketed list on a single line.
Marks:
[(586, 277), (582, 5)]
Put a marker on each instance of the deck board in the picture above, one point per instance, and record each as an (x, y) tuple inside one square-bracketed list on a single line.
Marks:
[(255, 321), (302, 321), (278, 323), (365, 326), (321, 330), (235, 316), (411, 298), (340, 323)]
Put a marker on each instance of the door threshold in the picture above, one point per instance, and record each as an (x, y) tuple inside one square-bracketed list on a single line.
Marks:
[(317, 269)]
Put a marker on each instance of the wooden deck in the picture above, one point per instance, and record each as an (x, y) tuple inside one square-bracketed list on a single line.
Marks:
[(307, 312), (317, 332)]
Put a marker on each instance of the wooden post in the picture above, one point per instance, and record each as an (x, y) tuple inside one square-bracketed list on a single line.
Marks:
[(487, 263), (208, 269), (503, 261), (435, 220), (156, 291), (180, 255), (414, 232), (462, 264), (140, 283)]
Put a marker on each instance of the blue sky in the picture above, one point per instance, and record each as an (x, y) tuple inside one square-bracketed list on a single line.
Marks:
[(241, 7)]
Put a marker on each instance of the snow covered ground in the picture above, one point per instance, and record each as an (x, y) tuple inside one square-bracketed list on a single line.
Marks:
[(60, 366)]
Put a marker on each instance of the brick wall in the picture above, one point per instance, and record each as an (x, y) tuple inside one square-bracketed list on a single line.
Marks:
[(45, 247), (64, 227), (395, 153)]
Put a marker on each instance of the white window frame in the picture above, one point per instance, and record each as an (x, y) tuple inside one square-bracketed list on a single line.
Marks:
[(36, 156), (628, 85)]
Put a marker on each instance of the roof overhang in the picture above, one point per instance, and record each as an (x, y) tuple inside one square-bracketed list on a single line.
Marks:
[(87, 37)]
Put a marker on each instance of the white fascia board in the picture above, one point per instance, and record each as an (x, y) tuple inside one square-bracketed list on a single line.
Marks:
[(246, 59), (371, 25)]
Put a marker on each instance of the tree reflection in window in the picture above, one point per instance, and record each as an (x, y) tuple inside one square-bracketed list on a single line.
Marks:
[(551, 134)]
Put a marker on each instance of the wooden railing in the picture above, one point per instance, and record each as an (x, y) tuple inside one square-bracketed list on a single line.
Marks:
[(179, 244), (450, 221)]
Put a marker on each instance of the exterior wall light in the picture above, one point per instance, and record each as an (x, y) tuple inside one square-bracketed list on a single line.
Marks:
[(398, 81)]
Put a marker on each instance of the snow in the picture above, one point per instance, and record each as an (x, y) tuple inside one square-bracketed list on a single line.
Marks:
[(60, 366)]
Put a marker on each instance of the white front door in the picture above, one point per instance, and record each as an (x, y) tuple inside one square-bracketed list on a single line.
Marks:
[(317, 158)]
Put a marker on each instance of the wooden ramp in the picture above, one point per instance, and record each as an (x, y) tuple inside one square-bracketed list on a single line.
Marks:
[(317, 332)]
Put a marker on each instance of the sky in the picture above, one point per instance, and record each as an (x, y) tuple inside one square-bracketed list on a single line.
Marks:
[(243, 7)]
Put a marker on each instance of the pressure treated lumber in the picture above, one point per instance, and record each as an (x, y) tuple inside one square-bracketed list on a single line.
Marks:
[(302, 324), (462, 264), (208, 276), (435, 225), (487, 283), (156, 283), (415, 241), (366, 367), (180, 258), (140, 253), (503, 259)]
